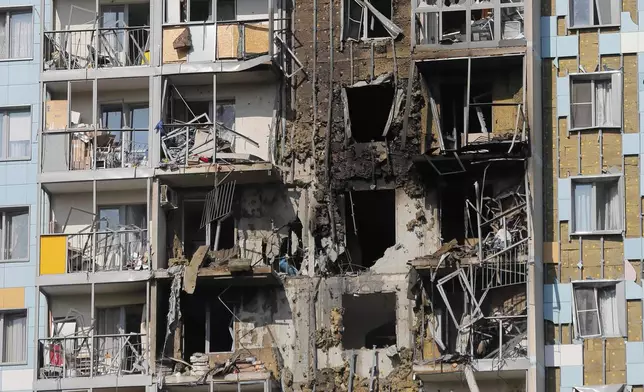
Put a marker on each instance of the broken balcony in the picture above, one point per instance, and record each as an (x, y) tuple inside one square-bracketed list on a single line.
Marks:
[(457, 24), (228, 32), (98, 331), (235, 129), (115, 35), (110, 132), (81, 238), (471, 293), (476, 108)]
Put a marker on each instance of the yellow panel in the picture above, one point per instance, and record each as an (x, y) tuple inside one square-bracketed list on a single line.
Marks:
[(12, 298), (227, 41), (53, 254), (551, 252), (170, 54)]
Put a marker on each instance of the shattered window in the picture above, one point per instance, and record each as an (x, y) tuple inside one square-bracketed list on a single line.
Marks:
[(596, 101), (364, 19), (597, 205), (584, 13), (597, 309)]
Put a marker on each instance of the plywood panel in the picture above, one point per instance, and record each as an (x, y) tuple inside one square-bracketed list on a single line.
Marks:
[(53, 254), (170, 54), (12, 298), (227, 41), (56, 115), (256, 38)]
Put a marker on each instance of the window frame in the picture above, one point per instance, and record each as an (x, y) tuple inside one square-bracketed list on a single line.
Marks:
[(614, 3), (593, 180), (3, 236), (209, 309), (615, 89), (8, 10), (620, 295), (3, 313), (5, 113), (364, 31)]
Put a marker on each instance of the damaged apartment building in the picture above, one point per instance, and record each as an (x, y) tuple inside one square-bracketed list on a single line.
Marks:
[(257, 195)]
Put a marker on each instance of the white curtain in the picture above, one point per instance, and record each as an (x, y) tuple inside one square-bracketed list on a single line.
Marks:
[(608, 309), (603, 103), (582, 12), (20, 33), (19, 134), (583, 207), (15, 338), (612, 211), (3, 36), (17, 235)]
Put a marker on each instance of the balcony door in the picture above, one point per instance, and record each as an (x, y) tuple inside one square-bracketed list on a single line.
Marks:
[(122, 238), (124, 38)]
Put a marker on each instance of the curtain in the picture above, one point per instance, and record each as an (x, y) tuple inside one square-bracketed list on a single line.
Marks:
[(587, 312), (3, 35), (17, 235), (603, 103), (19, 134), (582, 12), (20, 33), (612, 209), (15, 338), (583, 207), (608, 309)]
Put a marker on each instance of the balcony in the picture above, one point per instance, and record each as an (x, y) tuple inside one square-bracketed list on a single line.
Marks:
[(93, 49), (460, 24), (99, 251), (93, 356)]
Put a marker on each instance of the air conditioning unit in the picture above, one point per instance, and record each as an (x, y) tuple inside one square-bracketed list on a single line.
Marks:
[(168, 198)]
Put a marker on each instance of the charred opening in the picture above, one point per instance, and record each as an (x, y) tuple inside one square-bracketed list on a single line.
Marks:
[(374, 213), (369, 320), (208, 325), (455, 221), (369, 108)]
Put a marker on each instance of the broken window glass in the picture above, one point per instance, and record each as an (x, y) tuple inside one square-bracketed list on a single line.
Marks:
[(226, 10), (597, 309), (594, 12), (368, 19), (200, 10), (482, 25), (587, 312), (512, 23)]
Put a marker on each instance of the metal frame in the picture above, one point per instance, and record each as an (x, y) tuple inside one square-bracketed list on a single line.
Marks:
[(3, 313), (16, 9), (616, 7)]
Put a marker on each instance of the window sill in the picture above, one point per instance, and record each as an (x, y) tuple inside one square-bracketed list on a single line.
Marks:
[(22, 159), (581, 129), (18, 59), (602, 232), (8, 261), (13, 363), (593, 26)]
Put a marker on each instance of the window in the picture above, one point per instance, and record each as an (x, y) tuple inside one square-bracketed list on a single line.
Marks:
[(363, 20), (16, 34), (599, 309), (369, 320), (587, 13), (15, 134), (597, 205), (596, 100), (14, 227), (13, 325), (226, 10)]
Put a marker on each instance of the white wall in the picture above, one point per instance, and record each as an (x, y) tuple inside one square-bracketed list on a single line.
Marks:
[(62, 203), (253, 112)]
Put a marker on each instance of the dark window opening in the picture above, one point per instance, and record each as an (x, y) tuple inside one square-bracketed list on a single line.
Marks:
[(221, 328), (453, 27), (374, 213), (208, 326), (226, 234), (369, 108), (452, 103), (200, 10), (369, 320), (195, 235), (375, 29), (453, 212)]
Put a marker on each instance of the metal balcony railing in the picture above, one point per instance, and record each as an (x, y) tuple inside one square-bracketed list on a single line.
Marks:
[(86, 356), (87, 151), (100, 48), (107, 251)]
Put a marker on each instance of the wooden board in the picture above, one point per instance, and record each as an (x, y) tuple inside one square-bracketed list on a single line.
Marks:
[(256, 38), (227, 41), (56, 115), (170, 54)]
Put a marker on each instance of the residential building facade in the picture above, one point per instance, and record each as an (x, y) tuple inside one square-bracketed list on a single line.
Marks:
[(262, 194)]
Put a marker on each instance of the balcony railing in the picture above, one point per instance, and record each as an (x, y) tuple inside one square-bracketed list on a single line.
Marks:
[(89, 151), (106, 250), (86, 356), (101, 48)]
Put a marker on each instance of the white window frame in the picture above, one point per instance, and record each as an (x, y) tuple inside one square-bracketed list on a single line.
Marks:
[(620, 293), (617, 81), (3, 237), (593, 180), (5, 113), (7, 11), (616, 8), (364, 30), (3, 313), (209, 309)]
